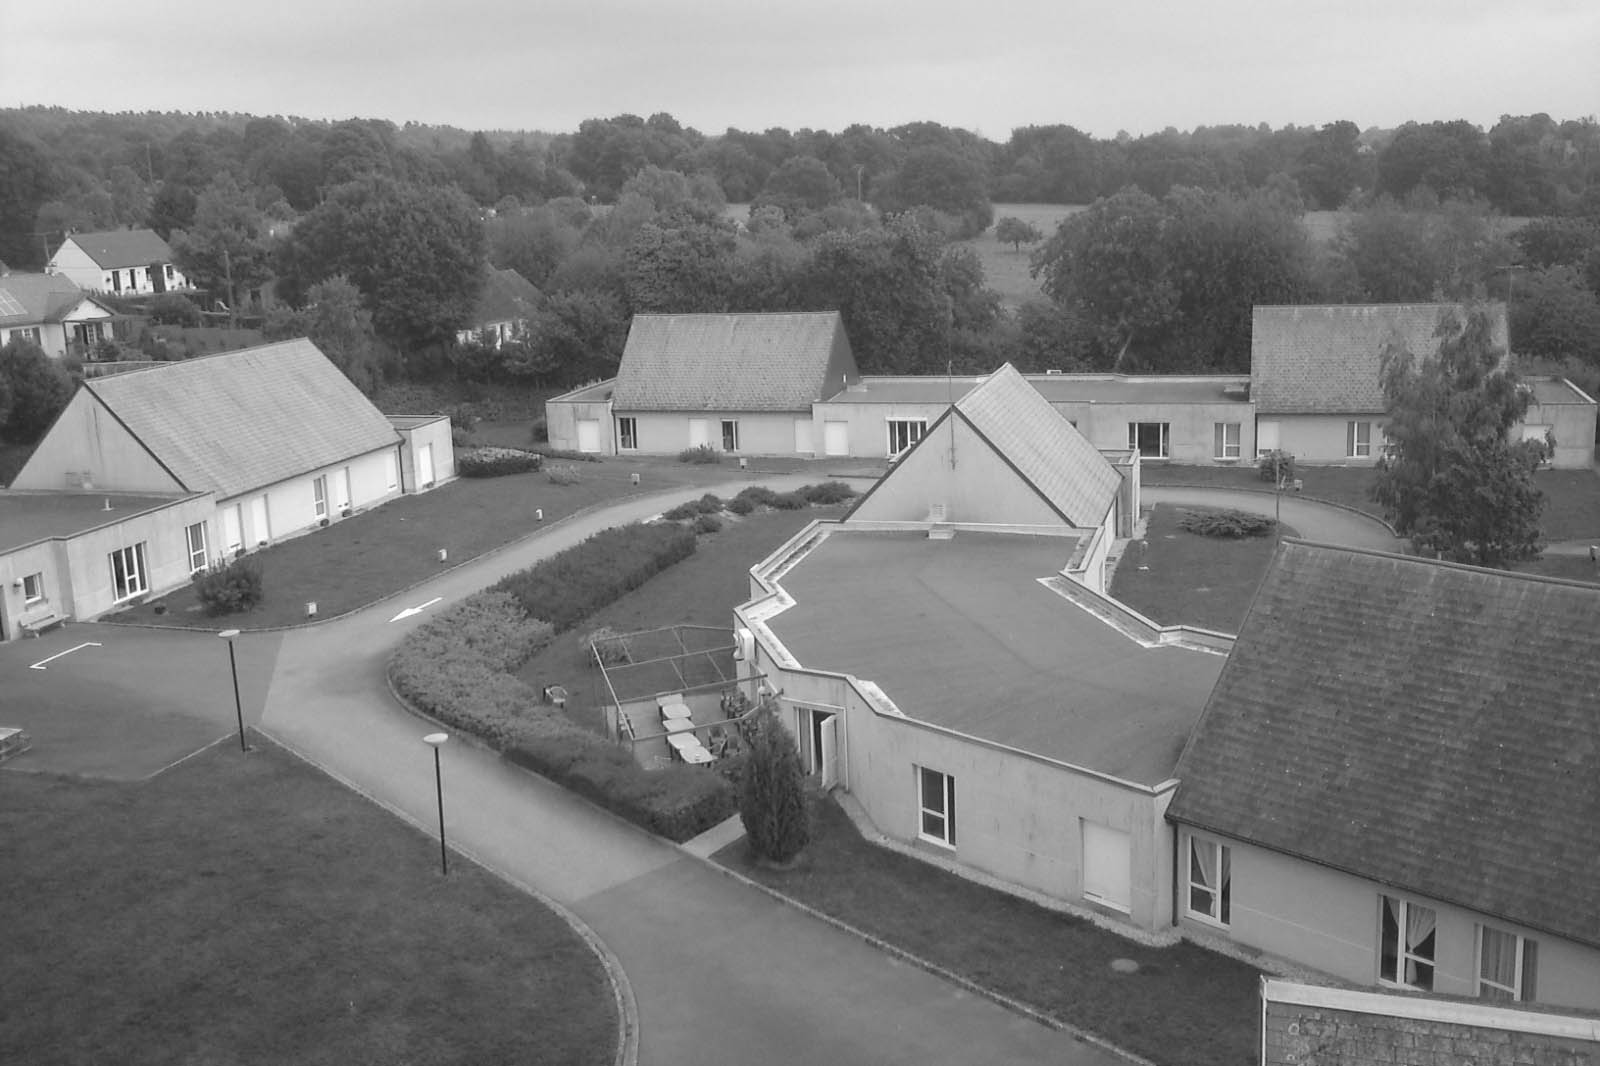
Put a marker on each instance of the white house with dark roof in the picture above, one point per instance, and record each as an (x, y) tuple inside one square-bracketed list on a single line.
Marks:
[(942, 654), (274, 441), (505, 303), (52, 312), (1394, 780), (126, 262)]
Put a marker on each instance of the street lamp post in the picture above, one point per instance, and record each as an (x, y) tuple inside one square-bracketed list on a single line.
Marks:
[(436, 741), (233, 665)]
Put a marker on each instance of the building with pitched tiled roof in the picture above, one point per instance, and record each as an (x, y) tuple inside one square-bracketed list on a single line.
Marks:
[(1394, 780), (504, 306), (271, 441), (52, 312), (125, 262)]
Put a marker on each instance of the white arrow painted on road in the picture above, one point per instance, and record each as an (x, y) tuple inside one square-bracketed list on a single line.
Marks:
[(418, 609), (40, 664)]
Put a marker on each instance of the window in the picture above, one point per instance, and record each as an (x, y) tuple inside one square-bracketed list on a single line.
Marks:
[(1406, 944), (628, 434), (937, 795), (29, 334), (127, 572), (319, 496), (168, 268), (1506, 964), (1210, 880), (1149, 439), (904, 432), (730, 435), (1225, 440), (88, 332), (1358, 440), (32, 589), (197, 547)]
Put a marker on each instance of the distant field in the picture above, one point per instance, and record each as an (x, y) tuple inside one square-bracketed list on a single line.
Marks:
[(1007, 270), (1323, 226)]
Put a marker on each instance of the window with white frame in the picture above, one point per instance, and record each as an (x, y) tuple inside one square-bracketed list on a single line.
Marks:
[(319, 496), (1407, 941), (904, 432), (628, 434), (127, 572), (1149, 439), (1506, 964), (730, 435), (1210, 881), (29, 334), (1225, 440), (196, 535), (1358, 440), (936, 795), (32, 589)]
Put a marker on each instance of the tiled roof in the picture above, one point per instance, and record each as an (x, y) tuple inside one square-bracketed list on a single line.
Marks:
[(123, 247), (247, 419), (759, 362), (1325, 359), (1426, 725), (506, 297), (1042, 446), (29, 299)]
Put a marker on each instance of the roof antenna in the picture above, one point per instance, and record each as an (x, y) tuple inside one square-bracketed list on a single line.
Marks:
[(950, 390)]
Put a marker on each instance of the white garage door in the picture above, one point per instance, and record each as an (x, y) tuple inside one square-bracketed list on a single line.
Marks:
[(802, 436), (425, 465), (1266, 437), (588, 434), (1107, 866), (260, 529), (836, 438)]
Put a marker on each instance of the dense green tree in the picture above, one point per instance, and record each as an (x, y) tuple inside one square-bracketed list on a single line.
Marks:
[(887, 285), (1451, 478), (416, 253), (1422, 250), (772, 801), (25, 184), (1450, 158), (1016, 232), (130, 196), (38, 387), (940, 178), (577, 336), (1554, 315), (225, 250), (800, 186), (1568, 242), (172, 208), (338, 323), (533, 242), (680, 268), (1332, 165)]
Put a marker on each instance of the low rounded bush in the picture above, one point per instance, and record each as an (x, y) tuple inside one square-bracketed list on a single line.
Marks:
[(460, 436), (707, 523), (1225, 523), (224, 588), (497, 462), (563, 474), (609, 647), (174, 309), (681, 512), (700, 453), (741, 505), (789, 501), (710, 503), (541, 431), (758, 494), (828, 492)]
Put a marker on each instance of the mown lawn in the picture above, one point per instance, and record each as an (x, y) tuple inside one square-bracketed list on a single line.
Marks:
[(248, 909), (1005, 269), (1180, 578), (1185, 1006)]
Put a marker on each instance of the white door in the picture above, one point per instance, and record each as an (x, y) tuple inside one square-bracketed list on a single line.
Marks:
[(260, 531), (232, 531), (1107, 866), (802, 436), (424, 465), (699, 432), (828, 749), (341, 489), (588, 434), (836, 438), (1266, 437)]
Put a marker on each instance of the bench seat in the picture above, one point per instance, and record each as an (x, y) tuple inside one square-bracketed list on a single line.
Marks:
[(41, 622)]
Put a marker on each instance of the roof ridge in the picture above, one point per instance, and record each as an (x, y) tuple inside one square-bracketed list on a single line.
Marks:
[(1444, 564)]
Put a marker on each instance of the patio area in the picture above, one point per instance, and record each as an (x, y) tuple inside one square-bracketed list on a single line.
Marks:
[(676, 693)]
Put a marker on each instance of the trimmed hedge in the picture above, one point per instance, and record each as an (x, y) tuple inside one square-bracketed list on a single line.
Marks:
[(497, 462), (563, 453), (563, 474), (1225, 523), (573, 584), (828, 492)]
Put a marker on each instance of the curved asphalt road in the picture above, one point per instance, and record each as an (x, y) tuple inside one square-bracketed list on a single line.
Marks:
[(1312, 519), (721, 973)]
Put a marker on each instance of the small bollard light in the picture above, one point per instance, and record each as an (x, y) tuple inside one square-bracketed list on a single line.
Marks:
[(444, 553), (744, 464), (538, 513), (634, 478), (311, 608)]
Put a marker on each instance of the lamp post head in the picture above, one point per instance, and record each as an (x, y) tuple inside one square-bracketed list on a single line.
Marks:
[(434, 740), (228, 634)]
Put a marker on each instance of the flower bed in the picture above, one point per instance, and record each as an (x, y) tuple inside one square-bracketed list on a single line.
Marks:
[(497, 462)]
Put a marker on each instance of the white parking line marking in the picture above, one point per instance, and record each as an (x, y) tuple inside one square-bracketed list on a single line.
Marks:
[(40, 664)]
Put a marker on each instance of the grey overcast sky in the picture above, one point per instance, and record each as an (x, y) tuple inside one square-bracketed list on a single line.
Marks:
[(985, 65)]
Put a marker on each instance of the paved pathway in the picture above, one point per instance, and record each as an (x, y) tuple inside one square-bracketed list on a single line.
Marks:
[(721, 973), (1311, 519)]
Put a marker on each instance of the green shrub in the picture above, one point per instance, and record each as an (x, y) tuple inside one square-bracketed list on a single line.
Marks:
[(564, 453), (757, 494), (828, 492), (741, 505), (573, 584), (224, 588), (1225, 523), (710, 503), (700, 453), (541, 431), (772, 802), (461, 436), (789, 501), (608, 647), (682, 511), (707, 523), (1276, 465), (173, 309), (563, 474), (497, 462)]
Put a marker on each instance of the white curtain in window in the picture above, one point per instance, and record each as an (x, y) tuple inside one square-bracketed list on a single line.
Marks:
[(1499, 962), (1419, 930), (1201, 887)]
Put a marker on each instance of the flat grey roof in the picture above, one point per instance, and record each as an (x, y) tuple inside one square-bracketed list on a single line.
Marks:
[(1557, 390), (413, 421), (30, 517), (1057, 388), (960, 633)]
